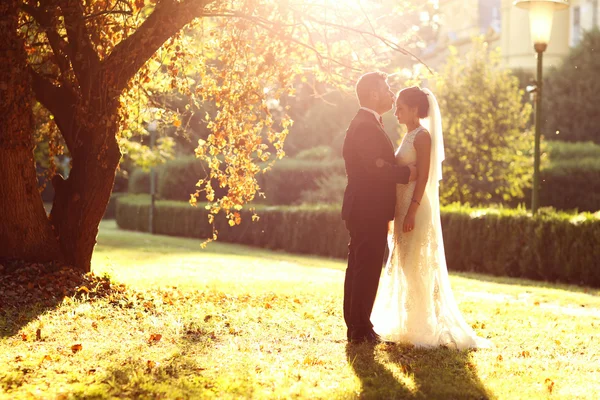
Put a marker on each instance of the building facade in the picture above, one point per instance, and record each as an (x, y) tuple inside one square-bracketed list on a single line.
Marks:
[(506, 27)]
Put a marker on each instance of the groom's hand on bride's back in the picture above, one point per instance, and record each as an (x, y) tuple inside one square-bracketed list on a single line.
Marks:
[(413, 172)]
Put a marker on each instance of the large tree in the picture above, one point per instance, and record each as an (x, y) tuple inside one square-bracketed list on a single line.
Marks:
[(87, 61)]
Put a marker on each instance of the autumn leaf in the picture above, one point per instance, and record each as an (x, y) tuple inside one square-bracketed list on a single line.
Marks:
[(499, 358), (155, 337), (76, 348), (83, 289), (177, 123), (151, 364), (549, 384), (95, 325), (38, 334), (268, 306), (23, 337)]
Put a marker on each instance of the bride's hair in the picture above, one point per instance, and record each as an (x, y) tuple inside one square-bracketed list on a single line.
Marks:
[(414, 97)]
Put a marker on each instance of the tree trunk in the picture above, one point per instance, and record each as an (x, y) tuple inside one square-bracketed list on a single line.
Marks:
[(25, 231), (81, 200)]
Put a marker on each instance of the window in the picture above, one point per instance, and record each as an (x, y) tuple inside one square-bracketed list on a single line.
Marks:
[(575, 26)]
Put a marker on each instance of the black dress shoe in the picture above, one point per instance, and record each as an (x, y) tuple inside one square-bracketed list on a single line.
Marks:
[(370, 337)]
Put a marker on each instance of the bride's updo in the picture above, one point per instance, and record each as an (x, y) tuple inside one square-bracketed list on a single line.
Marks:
[(414, 97)]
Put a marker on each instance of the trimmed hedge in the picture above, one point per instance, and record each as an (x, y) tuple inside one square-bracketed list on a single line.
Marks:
[(550, 247)]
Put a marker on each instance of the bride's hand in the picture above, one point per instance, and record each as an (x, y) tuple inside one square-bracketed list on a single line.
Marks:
[(409, 222)]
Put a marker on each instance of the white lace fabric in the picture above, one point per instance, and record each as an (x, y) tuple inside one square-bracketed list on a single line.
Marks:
[(415, 303)]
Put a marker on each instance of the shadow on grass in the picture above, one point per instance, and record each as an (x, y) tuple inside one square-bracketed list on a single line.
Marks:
[(438, 373), (28, 290)]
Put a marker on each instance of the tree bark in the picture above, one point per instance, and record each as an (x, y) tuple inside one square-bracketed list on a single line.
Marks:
[(80, 201), (25, 231)]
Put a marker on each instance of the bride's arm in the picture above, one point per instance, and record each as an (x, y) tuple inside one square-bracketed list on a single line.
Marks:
[(422, 145)]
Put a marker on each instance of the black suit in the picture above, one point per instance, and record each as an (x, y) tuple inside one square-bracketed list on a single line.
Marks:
[(369, 204)]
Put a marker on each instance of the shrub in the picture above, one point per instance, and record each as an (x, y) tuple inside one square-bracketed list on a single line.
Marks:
[(319, 153), (330, 190), (289, 178), (506, 242), (572, 93), (282, 184), (571, 180), (488, 146), (111, 207)]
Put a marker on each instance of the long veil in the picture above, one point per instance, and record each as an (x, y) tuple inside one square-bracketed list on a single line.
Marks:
[(450, 314)]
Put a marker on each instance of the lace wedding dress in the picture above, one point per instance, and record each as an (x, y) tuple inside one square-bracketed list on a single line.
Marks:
[(414, 302)]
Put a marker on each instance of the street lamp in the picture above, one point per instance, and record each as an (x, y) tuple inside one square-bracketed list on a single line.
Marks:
[(541, 13)]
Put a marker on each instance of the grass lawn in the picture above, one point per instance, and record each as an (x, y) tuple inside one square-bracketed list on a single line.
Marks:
[(236, 322)]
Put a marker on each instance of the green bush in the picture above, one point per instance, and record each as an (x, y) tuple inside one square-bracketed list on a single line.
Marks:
[(506, 242), (319, 153), (289, 178), (572, 93), (571, 178), (283, 184), (487, 143), (330, 190), (139, 182), (111, 207), (565, 151)]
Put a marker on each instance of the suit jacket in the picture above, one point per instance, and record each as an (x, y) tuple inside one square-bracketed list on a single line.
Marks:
[(372, 171)]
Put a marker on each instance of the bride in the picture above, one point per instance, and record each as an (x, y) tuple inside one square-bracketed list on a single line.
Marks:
[(414, 303)]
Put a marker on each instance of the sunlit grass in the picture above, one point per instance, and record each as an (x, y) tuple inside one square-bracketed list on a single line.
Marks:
[(238, 322)]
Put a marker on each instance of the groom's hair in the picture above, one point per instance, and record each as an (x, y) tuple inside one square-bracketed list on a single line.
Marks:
[(367, 83)]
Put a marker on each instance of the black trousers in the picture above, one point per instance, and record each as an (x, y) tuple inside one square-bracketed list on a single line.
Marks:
[(365, 261)]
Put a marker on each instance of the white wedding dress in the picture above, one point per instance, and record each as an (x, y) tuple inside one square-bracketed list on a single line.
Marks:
[(414, 301)]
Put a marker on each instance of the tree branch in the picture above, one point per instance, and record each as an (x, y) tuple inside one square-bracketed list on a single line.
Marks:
[(57, 100), (131, 54), (80, 43), (59, 46)]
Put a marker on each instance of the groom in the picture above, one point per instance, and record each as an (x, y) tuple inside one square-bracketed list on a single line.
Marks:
[(369, 201)]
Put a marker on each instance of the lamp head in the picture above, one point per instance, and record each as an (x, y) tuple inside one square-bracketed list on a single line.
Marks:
[(541, 13)]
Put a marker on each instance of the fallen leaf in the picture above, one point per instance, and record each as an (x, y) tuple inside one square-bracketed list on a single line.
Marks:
[(537, 303), (38, 334), (207, 318), (151, 364), (83, 289), (155, 337), (46, 358), (23, 336), (499, 358), (549, 384), (18, 358), (268, 305), (557, 342), (91, 371), (95, 325), (76, 347)]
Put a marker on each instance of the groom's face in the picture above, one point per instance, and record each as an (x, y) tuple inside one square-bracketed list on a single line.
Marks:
[(385, 97)]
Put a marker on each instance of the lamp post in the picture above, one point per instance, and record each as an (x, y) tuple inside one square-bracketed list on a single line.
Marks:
[(152, 129), (541, 13)]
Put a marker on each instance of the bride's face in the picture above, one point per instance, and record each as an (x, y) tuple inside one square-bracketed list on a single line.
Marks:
[(404, 113)]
